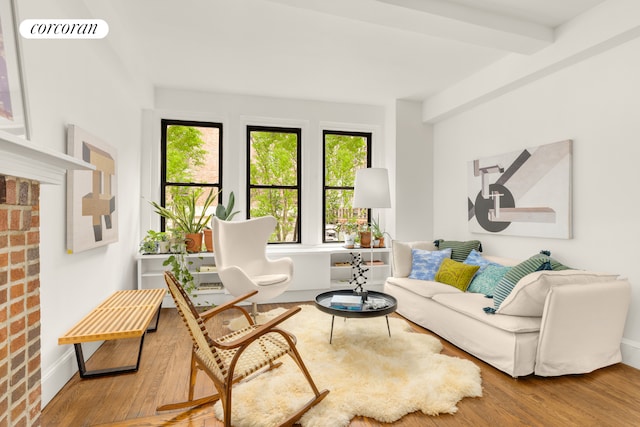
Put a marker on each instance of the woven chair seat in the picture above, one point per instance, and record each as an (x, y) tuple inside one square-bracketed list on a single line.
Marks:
[(258, 354)]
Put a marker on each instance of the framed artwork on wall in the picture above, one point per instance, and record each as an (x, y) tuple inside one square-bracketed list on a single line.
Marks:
[(92, 214), (13, 99), (522, 193)]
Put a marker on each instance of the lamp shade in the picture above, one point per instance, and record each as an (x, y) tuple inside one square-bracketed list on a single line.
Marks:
[(371, 189)]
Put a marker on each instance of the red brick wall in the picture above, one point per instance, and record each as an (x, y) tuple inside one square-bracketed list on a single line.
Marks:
[(20, 393)]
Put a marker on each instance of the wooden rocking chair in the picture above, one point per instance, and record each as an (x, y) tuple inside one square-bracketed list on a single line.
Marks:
[(237, 355)]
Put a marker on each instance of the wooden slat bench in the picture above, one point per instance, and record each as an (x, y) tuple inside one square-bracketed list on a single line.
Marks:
[(125, 314)]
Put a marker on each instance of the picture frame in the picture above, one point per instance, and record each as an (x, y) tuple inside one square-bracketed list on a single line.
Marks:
[(14, 115), (92, 195), (526, 192)]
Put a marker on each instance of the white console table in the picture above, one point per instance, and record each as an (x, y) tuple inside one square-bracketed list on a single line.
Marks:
[(315, 269)]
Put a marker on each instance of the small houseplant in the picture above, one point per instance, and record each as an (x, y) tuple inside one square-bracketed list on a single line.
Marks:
[(184, 217), (224, 213), (377, 233), (155, 242)]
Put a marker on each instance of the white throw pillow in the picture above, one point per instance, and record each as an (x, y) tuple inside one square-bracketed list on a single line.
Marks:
[(528, 296)]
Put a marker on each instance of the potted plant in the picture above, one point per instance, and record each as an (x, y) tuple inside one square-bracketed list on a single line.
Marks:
[(377, 233), (348, 229), (184, 216), (155, 242), (224, 213)]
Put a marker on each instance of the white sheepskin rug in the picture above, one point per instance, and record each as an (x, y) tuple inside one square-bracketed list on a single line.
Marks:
[(366, 372)]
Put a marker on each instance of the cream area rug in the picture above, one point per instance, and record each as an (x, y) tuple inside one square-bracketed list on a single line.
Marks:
[(367, 373)]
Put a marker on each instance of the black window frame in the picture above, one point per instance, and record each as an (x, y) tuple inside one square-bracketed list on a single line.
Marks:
[(369, 138), (164, 124), (298, 187)]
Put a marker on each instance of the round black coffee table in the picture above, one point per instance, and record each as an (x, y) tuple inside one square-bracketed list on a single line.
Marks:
[(377, 304)]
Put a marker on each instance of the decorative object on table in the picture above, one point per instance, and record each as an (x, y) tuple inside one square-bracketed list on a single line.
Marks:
[(359, 279), (371, 190), (92, 215), (523, 193), (185, 215), (14, 114), (347, 302), (359, 383)]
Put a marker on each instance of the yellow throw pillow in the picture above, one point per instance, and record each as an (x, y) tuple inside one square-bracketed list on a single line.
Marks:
[(456, 274)]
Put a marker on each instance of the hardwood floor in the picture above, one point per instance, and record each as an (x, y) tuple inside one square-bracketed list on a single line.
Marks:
[(607, 397)]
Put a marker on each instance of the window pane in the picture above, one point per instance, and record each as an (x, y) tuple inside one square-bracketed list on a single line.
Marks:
[(273, 183), (340, 217), (343, 155), (192, 161), (283, 205), (192, 154)]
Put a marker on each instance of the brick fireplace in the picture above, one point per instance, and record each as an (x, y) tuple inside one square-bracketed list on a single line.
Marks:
[(20, 392), (24, 167)]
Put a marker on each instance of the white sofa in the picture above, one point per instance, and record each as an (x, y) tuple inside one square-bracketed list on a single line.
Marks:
[(573, 324)]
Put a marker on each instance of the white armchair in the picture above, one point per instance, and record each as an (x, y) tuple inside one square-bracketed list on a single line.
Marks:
[(240, 253)]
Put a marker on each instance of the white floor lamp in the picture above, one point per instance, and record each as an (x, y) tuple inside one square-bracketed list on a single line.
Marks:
[(371, 190)]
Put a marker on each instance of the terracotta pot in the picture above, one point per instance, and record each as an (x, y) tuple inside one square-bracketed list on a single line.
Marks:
[(365, 239), (194, 242), (381, 245), (208, 239)]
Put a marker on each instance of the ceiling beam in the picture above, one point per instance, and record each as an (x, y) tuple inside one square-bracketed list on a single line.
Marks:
[(438, 18), (598, 30)]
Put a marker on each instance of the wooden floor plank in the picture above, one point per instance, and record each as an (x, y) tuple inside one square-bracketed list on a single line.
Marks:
[(607, 397)]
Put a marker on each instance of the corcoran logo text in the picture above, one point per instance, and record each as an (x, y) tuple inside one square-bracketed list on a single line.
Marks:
[(64, 28)]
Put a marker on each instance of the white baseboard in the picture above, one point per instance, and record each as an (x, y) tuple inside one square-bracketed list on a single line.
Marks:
[(630, 352), (62, 370)]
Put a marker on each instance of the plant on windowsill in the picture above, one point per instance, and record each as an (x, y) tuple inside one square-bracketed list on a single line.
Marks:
[(183, 215), (224, 213), (155, 242), (378, 233)]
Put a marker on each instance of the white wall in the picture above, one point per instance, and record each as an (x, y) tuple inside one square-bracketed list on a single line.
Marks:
[(595, 103), (79, 82), (238, 111), (413, 173)]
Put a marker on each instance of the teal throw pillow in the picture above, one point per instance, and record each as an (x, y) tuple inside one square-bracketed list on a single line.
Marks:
[(459, 250), (425, 264), (475, 258), (509, 280), (486, 281)]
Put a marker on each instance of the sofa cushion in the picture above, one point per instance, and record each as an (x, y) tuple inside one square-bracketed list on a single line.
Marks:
[(401, 258), (476, 258), (459, 250), (485, 282), (425, 264), (509, 280), (472, 306), (456, 274), (528, 296), (424, 288)]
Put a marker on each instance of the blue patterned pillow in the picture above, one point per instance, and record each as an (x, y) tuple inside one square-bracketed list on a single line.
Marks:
[(425, 264), (475, 258), (485, 282)]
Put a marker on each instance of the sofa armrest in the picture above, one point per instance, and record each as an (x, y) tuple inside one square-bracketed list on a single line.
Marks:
[(582, 327)]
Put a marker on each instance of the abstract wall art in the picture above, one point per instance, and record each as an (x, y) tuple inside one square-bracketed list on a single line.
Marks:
[(523, 193), (92, 214)]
